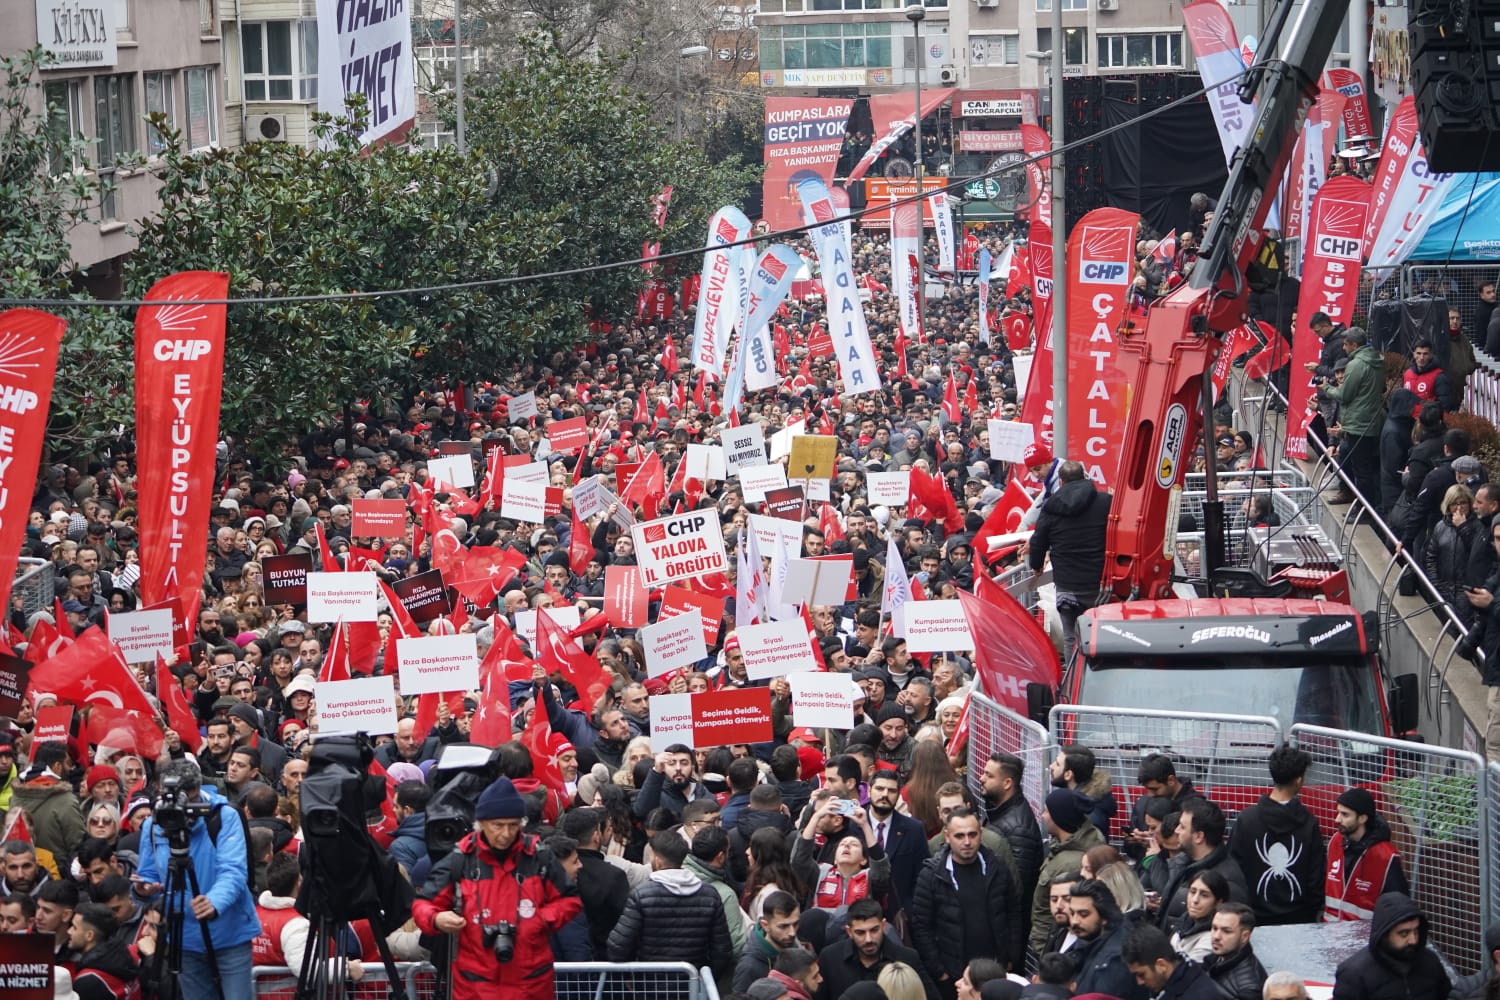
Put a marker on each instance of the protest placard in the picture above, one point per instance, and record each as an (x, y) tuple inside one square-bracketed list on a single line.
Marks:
[(677, 600), (744, 447), (362, 705), (812, 457), (781, 441), (588, 497), (454, 448), (52, 725), (521, 407), (438, 663), (820, 699), (13, 674), (818, 490), (1009, 439), (817, 581), (142, 635), (524, 501), (786, 503), (776, 649), (379, 518), (568, 436), (935, 627), (566, 618), (626, 600), (424, 596), (730, 717), (671, 719), (26, 971), (527, 471), (350, 596), (451, 470), (680, 546), (706, 462), (674, 643), (892, 489), (754, 482), (770, 531), (286, 578)]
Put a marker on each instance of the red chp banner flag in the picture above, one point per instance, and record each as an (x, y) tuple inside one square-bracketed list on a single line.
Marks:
[(804, 135), (179, 377), (1330, 284), (1101, 258), (1357, 112), (1036, 406), (1405, 198), (29, 341), (1036, 145)]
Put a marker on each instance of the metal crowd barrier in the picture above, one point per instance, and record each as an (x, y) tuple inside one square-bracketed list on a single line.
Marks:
[(993, 728), (34, 585), (1224, 755), (573, 981), (1436, 801)]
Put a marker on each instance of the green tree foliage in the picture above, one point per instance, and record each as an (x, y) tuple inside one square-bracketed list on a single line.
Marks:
[(41, 198)]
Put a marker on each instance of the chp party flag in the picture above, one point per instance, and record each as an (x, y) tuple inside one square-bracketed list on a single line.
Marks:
[(1036, 144), (985, 267), (1330, 269), (29, 342), (1405, 196), (1037, 404), (718, 296), (1216, 47), (179, 377), (846, 315), (906, 241), (769, 284), (940, 205), (1101, 255)]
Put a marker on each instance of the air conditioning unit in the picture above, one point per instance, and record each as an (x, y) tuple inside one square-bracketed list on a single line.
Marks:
[(265, 128), (948, 75), (1109, 4), (986, 3)]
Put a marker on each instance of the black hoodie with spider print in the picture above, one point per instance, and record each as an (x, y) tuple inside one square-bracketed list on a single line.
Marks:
[(1282, 852)]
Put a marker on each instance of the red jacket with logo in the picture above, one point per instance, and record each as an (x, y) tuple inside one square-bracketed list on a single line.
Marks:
[(525, 887), (1350, 892)]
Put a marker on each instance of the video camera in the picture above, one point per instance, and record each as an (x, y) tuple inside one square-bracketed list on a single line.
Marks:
[(175, 813), (462, 772)]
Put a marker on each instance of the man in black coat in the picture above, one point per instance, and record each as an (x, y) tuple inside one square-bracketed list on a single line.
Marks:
[(1396, 965), (670, 785), (602, 887), (1279, 848), (1100, 928), (1010, 815), (674, 917), (1201, 832), (859, 957), (966, 906), (1232, 966), (903, 838), (1149, 955), (1071, 529)]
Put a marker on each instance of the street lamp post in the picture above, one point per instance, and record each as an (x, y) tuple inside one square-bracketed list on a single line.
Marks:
[(458, 74), (686, 52), (1059, 331), (916, 13)]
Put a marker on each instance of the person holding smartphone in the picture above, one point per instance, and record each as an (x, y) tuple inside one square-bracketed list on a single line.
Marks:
[(845, 861)]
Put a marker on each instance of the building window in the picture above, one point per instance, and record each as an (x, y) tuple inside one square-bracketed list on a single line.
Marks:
[(1046, 5), (1146, 50), (435, 66), (202, 107), (825, 6), (64, 123), (206, 23), (994, 50), (825, 46), (435, 135), (160, 99), (1075, 44), (280, 60), (115, 122)]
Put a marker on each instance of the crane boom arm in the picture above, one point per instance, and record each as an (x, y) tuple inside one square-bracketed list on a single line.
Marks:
[(1177, 348)]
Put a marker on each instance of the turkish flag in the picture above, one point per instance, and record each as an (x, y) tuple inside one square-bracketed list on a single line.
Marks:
[(335, 665), (580, 546), (179, 714), (179, 379), (31, 341), (559, 653), (952, 412), (536, 738), (1005, 519), (91, 670), (669, 358), (1273, 356), (1010, 649)]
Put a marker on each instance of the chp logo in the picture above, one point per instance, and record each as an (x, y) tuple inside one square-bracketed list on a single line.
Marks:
[(654, 532), (822, 211), (773, 267), (1339, 230), (726, 232), (1106, 255)]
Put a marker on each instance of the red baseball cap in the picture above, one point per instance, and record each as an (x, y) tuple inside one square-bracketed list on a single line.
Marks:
[(806, 735)]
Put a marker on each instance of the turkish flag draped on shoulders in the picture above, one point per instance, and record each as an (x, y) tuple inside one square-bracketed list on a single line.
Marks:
[(1010, 648), (179, 381), (31, 340)]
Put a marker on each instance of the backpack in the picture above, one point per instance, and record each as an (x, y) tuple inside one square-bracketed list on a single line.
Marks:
[(215, 823)]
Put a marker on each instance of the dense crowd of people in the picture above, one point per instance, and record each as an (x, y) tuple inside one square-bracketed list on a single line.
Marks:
[(852, 862)]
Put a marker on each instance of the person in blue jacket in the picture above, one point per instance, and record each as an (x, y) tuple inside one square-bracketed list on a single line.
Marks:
[(224, 905)]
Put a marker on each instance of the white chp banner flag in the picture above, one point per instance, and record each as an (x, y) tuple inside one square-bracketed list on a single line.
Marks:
[(906, 241), (741, 264), (717, 293), (942, 222), (1405, 195), (846, 314), (1216, 47), (769, 284), (365, 48)]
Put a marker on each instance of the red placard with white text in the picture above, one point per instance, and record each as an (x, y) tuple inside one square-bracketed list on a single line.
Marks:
[(380, 518), (52, 724), (676, 600), (626, 602), (567, 436), (736, 715)]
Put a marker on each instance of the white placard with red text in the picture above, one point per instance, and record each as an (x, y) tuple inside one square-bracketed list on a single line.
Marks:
[(566, 617), (771, 531), (362, 705), (528, 472), (678, 547), (141, 635), (523, 500), (674, 643), (438, 663), (521, 407), (820, 699), (754, 482), (776, 649), (452, 470), (350, 596), (671, 719), (893, 489), (935, 627)]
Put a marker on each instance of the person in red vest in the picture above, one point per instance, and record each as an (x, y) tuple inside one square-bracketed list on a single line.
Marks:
[(282, 940), (1427, 380), (1362, 861), (105, 969)]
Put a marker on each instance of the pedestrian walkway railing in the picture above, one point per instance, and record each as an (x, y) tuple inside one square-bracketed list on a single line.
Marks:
[(1436, 802), (993, 728), (572, 981), (1224, 755)]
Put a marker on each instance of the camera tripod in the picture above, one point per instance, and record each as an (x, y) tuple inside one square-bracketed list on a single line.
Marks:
[(321, 978), (181, 889)]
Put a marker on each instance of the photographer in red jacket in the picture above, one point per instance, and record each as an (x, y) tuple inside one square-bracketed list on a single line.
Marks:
[(503, 895)]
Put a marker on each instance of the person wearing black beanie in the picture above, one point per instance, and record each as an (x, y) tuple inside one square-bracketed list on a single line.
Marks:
[(1363, 864)]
